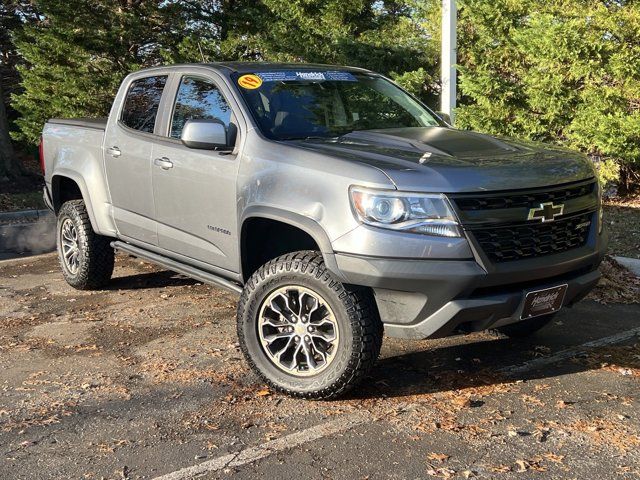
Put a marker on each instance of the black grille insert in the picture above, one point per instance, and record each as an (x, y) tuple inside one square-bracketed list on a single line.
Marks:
[(517, 242), (528, 199)]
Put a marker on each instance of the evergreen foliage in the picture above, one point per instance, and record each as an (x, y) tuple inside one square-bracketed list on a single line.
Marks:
[(566, 71), (77, 52), (9, 84)]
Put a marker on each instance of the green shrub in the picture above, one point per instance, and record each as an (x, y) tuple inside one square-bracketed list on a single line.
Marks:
[(565, 71)]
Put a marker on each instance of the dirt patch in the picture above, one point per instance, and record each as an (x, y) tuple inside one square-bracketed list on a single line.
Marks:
[(63, 334), (37, 265)]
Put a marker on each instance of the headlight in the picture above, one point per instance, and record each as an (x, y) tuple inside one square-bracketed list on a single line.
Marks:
[(429, 214)]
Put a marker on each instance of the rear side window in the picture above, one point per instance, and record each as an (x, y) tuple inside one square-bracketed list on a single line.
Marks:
[(142, 102), (198, 99)]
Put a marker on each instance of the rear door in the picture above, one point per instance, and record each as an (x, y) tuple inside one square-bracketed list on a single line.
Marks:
[(128, 140), (195, 190)]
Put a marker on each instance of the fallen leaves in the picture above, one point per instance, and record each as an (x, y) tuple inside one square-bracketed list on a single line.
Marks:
[(41, 416), (562, 404), (552, 457), (531, 400), (441, 472), (461, 401), (525, 465), (621, 214), (617, 285), (609, 432), (438, 457), (501, 469), (622, 360), (110, 447), (533, 464), (169, 371)]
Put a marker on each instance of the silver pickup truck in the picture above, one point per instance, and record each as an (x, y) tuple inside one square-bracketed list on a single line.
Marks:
[(334, 202)]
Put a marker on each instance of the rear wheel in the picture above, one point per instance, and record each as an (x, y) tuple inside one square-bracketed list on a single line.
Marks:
[(86, 258), (304, 332), (525, 328)]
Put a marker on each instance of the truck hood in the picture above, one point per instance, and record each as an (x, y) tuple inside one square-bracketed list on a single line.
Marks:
[(448, 160)]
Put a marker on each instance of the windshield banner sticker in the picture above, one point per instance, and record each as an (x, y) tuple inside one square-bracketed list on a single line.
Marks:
[(291, 75)]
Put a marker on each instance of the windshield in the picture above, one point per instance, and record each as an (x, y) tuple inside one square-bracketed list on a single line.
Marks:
[(296, 105)]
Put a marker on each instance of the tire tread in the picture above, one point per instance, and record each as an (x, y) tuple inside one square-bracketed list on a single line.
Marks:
[(361, 310)]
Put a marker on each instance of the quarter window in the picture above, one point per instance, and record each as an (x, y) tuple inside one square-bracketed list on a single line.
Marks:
[(142, 102), (198, 99)]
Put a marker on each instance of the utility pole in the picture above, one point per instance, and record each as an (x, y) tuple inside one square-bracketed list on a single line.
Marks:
[(448, 74)]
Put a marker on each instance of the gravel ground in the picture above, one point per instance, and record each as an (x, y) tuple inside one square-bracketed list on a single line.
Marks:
[(146, 378)]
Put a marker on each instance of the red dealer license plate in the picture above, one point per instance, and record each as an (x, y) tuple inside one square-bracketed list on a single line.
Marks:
[(543, 302)]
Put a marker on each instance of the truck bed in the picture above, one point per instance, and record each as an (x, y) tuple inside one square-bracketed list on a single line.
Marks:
[(75, 145), (95, 123)]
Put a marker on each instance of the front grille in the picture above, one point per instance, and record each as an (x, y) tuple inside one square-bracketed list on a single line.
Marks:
[(517, 242), (527, 200)]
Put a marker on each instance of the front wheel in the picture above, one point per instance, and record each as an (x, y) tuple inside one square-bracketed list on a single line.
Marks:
[(304, 332)]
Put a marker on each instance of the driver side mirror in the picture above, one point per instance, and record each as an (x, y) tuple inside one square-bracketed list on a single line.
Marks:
[(445, 117), (206, 134)]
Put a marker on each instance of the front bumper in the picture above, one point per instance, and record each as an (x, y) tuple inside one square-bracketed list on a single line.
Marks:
[(435, 298)]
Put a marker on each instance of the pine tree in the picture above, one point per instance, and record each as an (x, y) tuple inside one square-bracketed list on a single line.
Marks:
[(380, 35), (384, 36), (79, 52), (566, 71), (9, 79)]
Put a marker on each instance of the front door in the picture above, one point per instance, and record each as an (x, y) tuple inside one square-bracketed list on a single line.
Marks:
[(195, 190), (128, 141)]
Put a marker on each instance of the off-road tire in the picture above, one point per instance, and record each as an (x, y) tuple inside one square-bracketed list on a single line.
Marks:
[(96, 257), (354, 309), (525, 328)]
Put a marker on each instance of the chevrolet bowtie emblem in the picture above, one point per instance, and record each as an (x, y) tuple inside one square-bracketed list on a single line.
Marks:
[(546, 213)]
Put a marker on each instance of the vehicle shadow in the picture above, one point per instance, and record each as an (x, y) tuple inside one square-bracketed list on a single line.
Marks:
[(150, 280), (421, 368), (489, 363)]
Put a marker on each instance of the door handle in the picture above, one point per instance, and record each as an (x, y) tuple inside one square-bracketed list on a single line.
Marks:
[(114, 151), (163, 163)]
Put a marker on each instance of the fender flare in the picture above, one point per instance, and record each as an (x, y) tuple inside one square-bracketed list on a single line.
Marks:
[(306, 224), (84, 191)]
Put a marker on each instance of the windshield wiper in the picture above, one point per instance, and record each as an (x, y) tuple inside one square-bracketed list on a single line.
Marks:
[(309, 137)]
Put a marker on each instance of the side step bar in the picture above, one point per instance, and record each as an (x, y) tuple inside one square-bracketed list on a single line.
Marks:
[(175, 266)]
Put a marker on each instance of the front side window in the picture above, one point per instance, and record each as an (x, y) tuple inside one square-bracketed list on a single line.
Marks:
[(303, 104), (141, 103), (198, 99)]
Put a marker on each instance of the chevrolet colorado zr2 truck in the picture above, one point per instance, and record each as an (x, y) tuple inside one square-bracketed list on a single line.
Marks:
[(335, 203)]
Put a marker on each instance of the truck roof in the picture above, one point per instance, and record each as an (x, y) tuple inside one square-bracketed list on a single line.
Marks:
[(248, 67)]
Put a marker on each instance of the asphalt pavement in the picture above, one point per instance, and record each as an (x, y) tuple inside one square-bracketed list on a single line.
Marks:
[(145, 380)]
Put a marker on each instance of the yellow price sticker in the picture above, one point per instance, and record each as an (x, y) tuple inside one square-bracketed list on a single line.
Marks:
[(250, 81)]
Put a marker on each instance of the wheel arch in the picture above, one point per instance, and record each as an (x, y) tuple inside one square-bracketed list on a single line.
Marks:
[(261, 216), (69, 186)]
